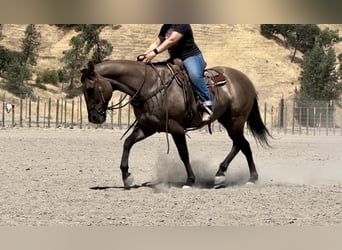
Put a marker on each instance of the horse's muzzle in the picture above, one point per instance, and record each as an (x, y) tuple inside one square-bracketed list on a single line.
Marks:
[(97, 116)]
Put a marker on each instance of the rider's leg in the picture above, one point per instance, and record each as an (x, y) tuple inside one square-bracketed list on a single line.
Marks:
[(195, 66)]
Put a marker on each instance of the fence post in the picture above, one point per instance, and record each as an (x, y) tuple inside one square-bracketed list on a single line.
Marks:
[(3, 113), (65, 112), (334, 117), (307, 121), (44, 117), (49, 112), (21, 112), (57, 112), (29, 111), (281, 113), (112, 117), (300, 120), (320, 122), (72, 114), (327, 119), (13, 107), (314, 126), (81, 117), (293, 116), (26, 107), (62, 104), (38, 103), (120, 112), (285, 119), (271, 119)]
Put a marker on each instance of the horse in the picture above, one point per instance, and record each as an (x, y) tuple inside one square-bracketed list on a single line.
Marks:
[(159, 106)]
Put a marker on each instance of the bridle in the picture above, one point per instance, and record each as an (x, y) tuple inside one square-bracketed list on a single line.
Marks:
[(135, 100), (104, 108)]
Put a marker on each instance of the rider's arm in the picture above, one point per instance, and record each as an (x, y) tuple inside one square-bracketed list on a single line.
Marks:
[(154, 45), (169, 42)]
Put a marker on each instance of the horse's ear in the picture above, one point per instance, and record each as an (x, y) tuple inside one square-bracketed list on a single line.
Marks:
[(91, 66)]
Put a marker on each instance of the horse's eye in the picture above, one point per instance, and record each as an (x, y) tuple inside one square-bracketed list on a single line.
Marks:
[(90, 91)]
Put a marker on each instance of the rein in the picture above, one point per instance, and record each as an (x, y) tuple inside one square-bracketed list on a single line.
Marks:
[(119, 105), (134, 100)]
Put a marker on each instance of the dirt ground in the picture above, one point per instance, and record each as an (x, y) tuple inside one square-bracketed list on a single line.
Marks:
[(72, 177)]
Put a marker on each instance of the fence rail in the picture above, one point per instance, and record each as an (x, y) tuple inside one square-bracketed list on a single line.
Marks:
[(286, 118)]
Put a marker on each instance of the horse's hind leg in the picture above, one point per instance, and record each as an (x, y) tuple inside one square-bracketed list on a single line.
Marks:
[(139, 133), (235, 131), (246, 150), (224, 165), (180, 142)]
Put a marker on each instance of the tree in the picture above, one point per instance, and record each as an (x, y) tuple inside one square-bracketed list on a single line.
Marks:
[(30, 45), (319, 77), (301, 37), (74, 59), (16, 75), (85, 46), (14, 66), (320, 83), (327, 38), (285, 30), (310, 77), (98, 48)]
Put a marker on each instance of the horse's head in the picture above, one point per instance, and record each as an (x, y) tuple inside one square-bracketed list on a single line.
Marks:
[(97, 92)]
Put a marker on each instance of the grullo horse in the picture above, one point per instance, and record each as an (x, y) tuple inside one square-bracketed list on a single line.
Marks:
[(159, 106)]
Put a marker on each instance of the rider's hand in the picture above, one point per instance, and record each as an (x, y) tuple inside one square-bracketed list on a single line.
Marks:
[(149, 56), (141, 58)]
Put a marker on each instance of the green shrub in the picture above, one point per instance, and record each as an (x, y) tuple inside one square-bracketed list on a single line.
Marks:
[(48, 76), (63, 75), (17, 74)]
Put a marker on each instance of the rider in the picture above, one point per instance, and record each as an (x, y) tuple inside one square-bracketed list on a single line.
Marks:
[(178, 39)]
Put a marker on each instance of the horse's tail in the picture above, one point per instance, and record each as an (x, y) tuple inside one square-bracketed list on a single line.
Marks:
[(256, 125)]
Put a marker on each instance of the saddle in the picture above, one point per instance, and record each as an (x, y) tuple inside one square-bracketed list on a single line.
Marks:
[(213, 78)]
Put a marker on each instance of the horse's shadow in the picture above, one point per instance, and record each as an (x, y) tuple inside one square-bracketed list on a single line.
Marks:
[(135, 186), (203, 184)]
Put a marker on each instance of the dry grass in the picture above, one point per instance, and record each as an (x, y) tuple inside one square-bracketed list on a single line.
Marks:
[(239, 46)]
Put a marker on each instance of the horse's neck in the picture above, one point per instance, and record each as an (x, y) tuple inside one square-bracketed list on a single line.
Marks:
[(127, 76)]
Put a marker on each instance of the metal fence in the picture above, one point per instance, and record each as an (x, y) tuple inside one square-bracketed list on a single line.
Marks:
[(284, 118), (323, 118)]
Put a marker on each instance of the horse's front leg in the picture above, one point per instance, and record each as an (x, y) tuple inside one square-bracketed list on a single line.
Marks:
[(180, 141), (139, 133)]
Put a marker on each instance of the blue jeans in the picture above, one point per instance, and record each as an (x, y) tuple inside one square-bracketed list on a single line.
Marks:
[(195, 66)]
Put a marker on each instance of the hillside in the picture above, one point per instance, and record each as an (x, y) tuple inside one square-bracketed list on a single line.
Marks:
[(236, 45)]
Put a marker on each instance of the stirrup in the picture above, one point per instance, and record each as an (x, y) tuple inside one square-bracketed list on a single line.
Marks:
[(208, 110), (206, 117)]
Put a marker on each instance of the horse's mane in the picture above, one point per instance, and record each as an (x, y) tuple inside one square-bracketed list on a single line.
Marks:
[(159, 63)]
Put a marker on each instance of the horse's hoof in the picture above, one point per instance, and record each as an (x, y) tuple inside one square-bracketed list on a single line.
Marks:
[(250, 183), (186, 187), (219, 180), (128, 181)]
